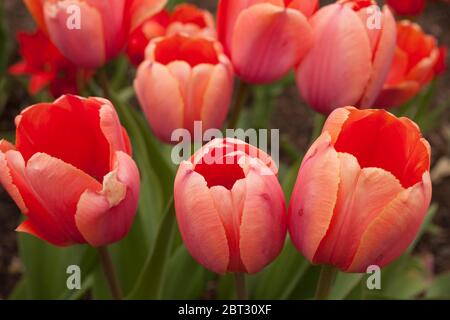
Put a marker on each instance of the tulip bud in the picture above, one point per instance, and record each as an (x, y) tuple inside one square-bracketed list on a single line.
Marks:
[(265, 39), (91, 32), (362, 191), (349, 62), (71, 173), (184, 80), (230, 207), (416, 62)]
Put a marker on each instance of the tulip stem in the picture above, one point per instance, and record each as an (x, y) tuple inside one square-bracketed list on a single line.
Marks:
[(241, 291), (110, 273), (102, 79), (319, 121), (326, 280), (241, 98)]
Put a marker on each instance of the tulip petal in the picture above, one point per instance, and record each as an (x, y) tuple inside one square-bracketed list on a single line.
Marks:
[(268, 41), (46, 175), (382, 59), (104, 216), (159, 95), (140, 10), (397, 225), (263, 222), (314, 196), (396, 95), (362, 195), (200, 225), (336, 70), (85, 46)]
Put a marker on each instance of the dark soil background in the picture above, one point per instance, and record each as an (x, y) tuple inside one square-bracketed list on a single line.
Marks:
[(293, 118)]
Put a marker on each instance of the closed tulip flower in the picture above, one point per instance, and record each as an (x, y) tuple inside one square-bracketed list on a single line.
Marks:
[(417, 61), (230, 207), (183, 80), (407, 7), (265, 38), (91, 32), (362, 191), (71, 173), (352, 53)]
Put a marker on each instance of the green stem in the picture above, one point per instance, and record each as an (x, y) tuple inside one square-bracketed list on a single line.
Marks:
[(241, 98), (110, 273), (241, 290), (326, 280)]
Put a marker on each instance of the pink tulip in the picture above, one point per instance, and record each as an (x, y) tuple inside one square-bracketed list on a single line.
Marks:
[(184, 80), (230, 207), (362, 191), (265, 38), (103, 26), (71, 173), (352, 53)]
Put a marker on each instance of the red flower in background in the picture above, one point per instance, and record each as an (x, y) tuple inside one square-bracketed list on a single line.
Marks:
[(186, 18), (46, 65), (407, 7)]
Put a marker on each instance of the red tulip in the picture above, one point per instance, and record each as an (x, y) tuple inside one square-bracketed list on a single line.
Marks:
[(417, 61), (186, 19), (46, 66), (265, 38), (103, 26), (184, 80), (230, 207), (407, 7), (362, 191), (351, 56), (71, 173)]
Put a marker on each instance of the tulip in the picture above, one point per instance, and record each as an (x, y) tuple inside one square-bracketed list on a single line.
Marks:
[(362, 191), (230, 207), (186, 19), (103, 26), (349, 62), (71, 173), (417, 61), (183, 80), (265, 38), (407, 7)]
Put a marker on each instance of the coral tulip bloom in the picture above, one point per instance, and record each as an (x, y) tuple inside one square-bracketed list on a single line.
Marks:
[(265, 38), (350, 59), (230, 207), (362, 191), (71, 173), (415, 64), (103, 30), (407, 7), (184, 80), (186, 19)]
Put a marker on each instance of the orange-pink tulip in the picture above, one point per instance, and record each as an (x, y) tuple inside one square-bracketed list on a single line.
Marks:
[(407, 7), (91, 32), (352, 53), (71, 173), (230, 207), (183, 80), (362, 191), (265, 38), (415, 64)]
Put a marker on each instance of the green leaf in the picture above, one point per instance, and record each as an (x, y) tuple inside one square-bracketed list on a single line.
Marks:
[(345, 283), (439, 287), (150, 282)]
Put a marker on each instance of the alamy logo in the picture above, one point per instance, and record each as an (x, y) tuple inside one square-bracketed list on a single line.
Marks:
[(74, 280), (74, 20)]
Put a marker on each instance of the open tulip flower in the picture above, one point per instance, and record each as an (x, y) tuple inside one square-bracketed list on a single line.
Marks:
[(230, 207), (71, 173), (417, 61), (184, 79), (186, 18), (265, 38), (102, 30), (354, 44), (362, 191)]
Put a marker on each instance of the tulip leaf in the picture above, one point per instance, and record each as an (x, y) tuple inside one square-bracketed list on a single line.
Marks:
[(439, 287), (153, 276), (344, 285)]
